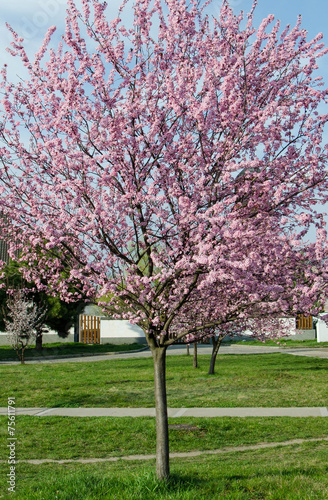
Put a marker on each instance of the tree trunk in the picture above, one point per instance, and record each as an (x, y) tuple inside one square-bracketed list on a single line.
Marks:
[(195, 355), (215, 350), (162, 429), (38, 340), (188, 350), (21, 355)]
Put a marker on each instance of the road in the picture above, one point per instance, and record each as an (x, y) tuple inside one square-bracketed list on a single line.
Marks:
[(180, 350)]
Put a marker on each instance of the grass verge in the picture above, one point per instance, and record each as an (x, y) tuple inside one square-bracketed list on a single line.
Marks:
[(100, 437), (287, 343), (75, 348), (67, 349)]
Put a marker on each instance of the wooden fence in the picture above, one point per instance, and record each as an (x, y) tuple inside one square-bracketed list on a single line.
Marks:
[(304, 322), (89, 329)]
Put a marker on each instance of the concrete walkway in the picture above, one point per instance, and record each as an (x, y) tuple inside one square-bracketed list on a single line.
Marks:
[(172, 412), (311, 353), (180, 350)]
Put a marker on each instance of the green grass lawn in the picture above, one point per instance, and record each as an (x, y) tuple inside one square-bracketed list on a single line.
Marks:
[(297, 472), (256, 380), (284, 343), (66, 349), (100, 437)]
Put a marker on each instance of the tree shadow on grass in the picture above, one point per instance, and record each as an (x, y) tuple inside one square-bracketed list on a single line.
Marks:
[(127, 400), (141, 485), (146, 485)]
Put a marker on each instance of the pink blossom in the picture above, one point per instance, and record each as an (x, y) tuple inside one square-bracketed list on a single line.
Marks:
[(178, 171)]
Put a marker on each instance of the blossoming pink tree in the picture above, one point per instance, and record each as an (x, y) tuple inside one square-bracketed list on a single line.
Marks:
[(23, 322), (174, 164)]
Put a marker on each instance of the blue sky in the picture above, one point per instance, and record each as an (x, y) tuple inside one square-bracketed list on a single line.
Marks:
[(313, 12)]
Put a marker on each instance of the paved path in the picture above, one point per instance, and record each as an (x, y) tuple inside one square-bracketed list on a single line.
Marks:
[(172, 412), (186, 454), (312, 353), (179, 350)]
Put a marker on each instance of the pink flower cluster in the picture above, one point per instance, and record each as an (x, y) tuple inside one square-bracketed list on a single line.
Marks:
[(175, 169)]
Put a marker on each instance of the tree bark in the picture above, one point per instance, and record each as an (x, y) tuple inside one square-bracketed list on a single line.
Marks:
[(216, 346), (162, 429), (188, 350), (38, 340), (21, 355), (195, 363)]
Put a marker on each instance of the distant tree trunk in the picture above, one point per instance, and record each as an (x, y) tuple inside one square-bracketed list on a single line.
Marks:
[(38, 339), (188, 353), (216, 342), (76, 329), (195, 355), (162, 430), (20, 354)]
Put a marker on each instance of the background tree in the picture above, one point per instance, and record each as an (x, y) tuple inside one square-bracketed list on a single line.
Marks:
[(61, 316), (12, 279), (130, 179), (23, 321)]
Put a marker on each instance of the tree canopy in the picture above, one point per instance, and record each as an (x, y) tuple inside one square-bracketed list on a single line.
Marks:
[(175, 164)]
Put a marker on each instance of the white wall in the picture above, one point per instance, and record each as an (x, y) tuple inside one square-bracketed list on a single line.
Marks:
[(48, 337), (322, 331), (121, 330), (288, 324)]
